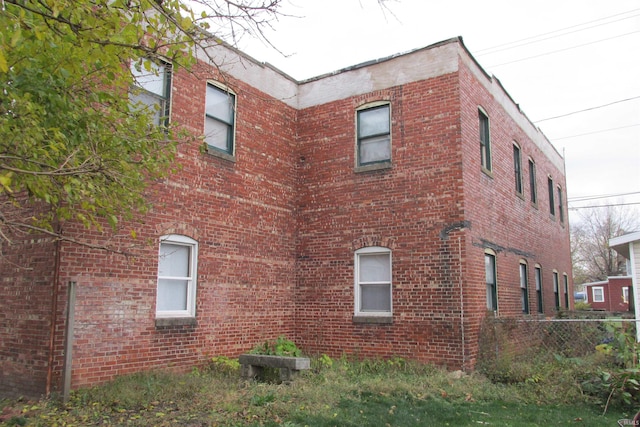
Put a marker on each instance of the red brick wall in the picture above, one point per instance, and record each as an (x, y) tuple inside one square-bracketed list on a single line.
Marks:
[(436, 182), (500, 219), (278, 227), (241, 213), (404, 208), (613, 296), (27, 266)]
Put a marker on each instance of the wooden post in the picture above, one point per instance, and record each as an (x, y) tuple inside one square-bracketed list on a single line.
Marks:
[(68, 341)]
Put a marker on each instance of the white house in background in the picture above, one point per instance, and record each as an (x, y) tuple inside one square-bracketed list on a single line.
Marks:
[(628, 246)]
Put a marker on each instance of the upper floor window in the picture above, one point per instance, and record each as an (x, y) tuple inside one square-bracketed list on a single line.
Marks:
[(532, 182), (517, 168), (152, 88), (177, 272), (491, 281), (373, 282), (374, 134), (552, 206), (538, 278), (560, 207), (524, 287), (219, 119), (485, 142)]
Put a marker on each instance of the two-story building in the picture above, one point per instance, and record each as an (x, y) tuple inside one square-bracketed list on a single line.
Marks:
[(381, 210)]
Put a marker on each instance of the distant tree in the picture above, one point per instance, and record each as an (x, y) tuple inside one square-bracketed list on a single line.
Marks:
[(593, 259)]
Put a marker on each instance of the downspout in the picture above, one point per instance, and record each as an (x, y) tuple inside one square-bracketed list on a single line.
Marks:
[(54, 317), (444, 235), (464, 348)]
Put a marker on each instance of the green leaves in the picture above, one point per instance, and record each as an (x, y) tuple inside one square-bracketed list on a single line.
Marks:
[(69, 139), (68, 135)]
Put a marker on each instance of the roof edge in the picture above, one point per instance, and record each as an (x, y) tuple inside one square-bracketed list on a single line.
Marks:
[(383, 59)]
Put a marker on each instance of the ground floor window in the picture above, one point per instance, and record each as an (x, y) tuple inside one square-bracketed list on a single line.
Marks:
[(491, 281), (373, 293), (177, 262)]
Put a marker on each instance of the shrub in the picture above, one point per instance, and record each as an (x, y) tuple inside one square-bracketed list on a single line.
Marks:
[(224, 365), (279, 347), (582, 306), (619, 383)]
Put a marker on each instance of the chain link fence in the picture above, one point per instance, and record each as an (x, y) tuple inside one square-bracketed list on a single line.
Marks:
[(505, 342)]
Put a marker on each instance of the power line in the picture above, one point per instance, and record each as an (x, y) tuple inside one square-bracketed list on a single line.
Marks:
[(603, 206), (565, 49), (557, 31), (608, 196), (594, 132), (586, 109), (518, 43)]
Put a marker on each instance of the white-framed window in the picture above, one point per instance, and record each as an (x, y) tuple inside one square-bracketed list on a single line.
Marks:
[(491, 280), (556, 289), (373, 289), (485, 140), (219, 119), (374, 134), (625, 295), (152, 89), (524, 287), (597, 293), (177, 272), (565, 281)]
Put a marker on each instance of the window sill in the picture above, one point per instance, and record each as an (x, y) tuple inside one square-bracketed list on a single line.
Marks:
[(373, 320), (219, 153), (373, 167), (487, 172), (162, 322)]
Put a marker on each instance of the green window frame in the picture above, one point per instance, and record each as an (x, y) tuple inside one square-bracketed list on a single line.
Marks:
[(538, 278), (552, 206), (485, 140), (517, 168), (560, 206), (533, 189), (220, 119), (374, 134)]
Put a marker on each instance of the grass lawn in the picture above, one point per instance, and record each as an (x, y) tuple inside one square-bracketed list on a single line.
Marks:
[(369, 393)]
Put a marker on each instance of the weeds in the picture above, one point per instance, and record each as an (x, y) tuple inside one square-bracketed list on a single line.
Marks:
[(279, 347), (340, 392)]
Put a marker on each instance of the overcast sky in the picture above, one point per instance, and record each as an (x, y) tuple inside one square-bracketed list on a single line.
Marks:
[(554, 57)]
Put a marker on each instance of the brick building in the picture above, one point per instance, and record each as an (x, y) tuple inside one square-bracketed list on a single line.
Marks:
[(612, 294), (381, 210)]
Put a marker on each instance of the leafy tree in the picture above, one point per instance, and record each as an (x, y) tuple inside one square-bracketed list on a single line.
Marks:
[(72, 146), (593, 259)]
